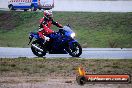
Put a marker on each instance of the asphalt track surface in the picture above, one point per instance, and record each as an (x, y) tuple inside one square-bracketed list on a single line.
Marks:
[(88, 53)]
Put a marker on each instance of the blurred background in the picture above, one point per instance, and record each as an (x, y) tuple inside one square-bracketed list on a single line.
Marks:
[(87, 5)]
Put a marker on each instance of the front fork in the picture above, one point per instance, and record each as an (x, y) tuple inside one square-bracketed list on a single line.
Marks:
[(71, 43), (30, 39)]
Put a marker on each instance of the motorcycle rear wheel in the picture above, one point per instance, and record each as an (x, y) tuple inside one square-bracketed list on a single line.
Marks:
[(37, 52), (73, 51)]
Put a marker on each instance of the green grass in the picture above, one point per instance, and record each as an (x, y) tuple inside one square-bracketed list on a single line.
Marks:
[(92, 29), (61, 66)]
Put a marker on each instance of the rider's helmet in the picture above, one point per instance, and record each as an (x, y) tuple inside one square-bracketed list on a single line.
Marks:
[(48, 14)]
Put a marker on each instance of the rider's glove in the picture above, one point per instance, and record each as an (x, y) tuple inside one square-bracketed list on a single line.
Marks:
[(40, 29), (47, 38), (61, 30)]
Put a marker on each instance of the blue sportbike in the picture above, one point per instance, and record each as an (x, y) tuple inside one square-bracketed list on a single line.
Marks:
[(61, 42)]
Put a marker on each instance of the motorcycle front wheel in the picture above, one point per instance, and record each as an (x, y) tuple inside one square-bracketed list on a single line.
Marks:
[(75, 50), (36, 50)]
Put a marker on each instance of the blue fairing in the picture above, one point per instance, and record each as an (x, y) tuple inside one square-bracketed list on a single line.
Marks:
[(71, 43), (35, 35), (63, 39)]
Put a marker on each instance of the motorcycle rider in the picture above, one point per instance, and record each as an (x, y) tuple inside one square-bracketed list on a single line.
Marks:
[(45, 24)]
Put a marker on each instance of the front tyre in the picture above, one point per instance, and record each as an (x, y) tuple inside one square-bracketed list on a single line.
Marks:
[(75, 50), (36, 51)]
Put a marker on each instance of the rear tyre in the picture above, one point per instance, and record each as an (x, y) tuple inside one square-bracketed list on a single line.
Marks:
[(37, 52), (75, 50)]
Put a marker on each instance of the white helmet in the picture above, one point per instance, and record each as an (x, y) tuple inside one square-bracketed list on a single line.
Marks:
[(48, 14)]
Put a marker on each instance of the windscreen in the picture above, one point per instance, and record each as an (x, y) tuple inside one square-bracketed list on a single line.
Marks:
[(68, 29)]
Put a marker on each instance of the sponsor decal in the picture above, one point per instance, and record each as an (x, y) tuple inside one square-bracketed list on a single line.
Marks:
[(84, 77)]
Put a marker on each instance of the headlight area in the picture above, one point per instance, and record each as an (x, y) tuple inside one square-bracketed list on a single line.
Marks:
[(72, 35)]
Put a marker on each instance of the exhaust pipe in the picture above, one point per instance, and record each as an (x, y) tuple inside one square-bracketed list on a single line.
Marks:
[(37, 48)]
